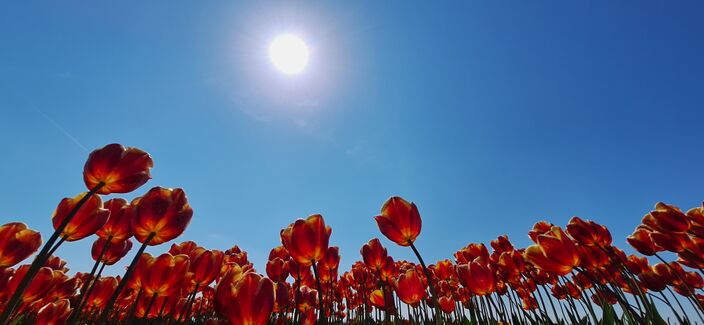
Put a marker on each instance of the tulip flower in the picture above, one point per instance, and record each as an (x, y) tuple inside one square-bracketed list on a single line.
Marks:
[(101, 292), (588, 233), (120, 169), (206, 267), (399, 221), (89, 218), (55, 313), (247, 301), (117, 228), (554, 252), (642, 242), (668, 218), (374, 254), (162, 215), (307, 240), (38, 287), (410, 287), (447, 305), (376, 298), (277, 270), (477, 276), (111, 252), (165, 276), (17, 242)]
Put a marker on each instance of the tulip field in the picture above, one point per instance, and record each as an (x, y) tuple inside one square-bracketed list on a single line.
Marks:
[(571, 274)]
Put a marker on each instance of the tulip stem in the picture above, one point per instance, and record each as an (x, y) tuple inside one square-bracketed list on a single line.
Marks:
[(321, 306), (109, 306), (43, 255), (84, 289), (430, 283)]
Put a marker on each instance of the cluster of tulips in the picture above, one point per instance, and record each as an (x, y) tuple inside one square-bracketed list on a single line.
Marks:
[(574, 276)]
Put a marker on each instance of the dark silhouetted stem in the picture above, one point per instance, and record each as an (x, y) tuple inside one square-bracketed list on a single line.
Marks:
[(123, 281), (43, 255), (321, 307), (430, 284)]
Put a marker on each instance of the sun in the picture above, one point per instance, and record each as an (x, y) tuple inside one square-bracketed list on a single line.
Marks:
[(289, 54)]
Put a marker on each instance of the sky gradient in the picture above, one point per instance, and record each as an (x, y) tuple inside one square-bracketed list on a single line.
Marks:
[(490, 116)]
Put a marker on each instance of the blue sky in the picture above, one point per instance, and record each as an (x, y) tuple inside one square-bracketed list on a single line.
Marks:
[(489, 115)]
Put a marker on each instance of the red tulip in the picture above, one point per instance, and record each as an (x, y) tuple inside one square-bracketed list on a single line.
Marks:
[(668, 218), (165, 276), (39, 286), (89, 218), (376, 298), (163, 213), (588, 233), (17, 242), (477, 276), (102, 290), (399, 221), (277, 270), (206, 267), (374, 254), (113, 253), (447, 305), (247, 301), (307, 240), (410, 287), (554, 252), (55, 313), (120, 169), (641, 241), (118, 226)]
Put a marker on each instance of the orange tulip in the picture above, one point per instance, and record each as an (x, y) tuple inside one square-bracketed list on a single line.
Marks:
[(641, 241), (554, 252), (120, 169), (118, 226), (374, 254), (447, 305), (64, 287), (588, 233), (141, 268), (163, 213), (56, 264), (55, 313), (277, 270), (206, 267), (376, 298), (672, 241), (307, 240), (669, 218), (40, 285), (113, 253), (307, 300), (89, 218), (331, 260), (501, 244), (280, 252), (102, 290), (696, 221), (410, 287), (477, 276), (247, 301), (165, 276), (17, 242), (399, 221)]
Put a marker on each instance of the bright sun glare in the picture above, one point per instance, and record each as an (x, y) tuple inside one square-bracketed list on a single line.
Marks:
[(289, 54)]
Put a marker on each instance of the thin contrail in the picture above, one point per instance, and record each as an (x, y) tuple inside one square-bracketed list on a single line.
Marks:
[(60, 128)]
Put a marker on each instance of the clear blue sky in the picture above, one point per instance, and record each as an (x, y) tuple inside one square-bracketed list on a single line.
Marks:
[(490, 115)]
